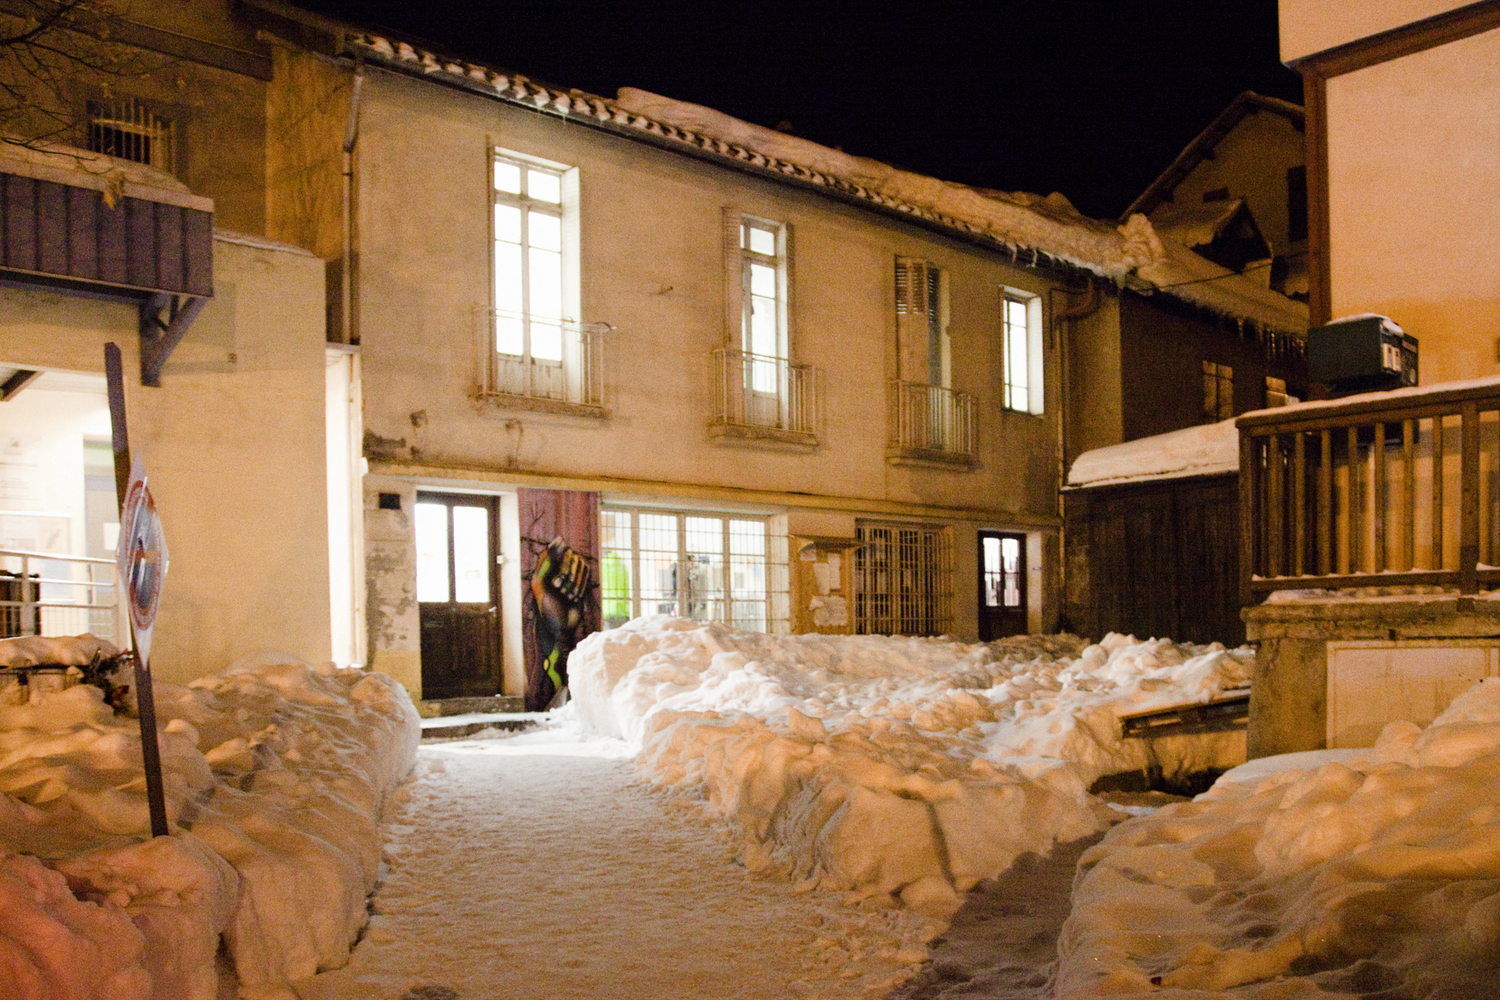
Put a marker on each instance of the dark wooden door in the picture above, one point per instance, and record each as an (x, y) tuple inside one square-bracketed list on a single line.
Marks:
[(457, 595), (1002, 585)]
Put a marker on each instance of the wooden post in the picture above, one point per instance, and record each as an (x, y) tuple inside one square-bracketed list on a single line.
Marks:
[(1468, 525), (144, 699)]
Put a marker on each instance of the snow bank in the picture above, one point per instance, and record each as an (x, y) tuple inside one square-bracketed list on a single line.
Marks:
[(1375, 872), (273, 771), (889, 765)]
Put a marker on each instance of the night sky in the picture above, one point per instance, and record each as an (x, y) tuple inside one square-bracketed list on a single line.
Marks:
[(1092, 98)]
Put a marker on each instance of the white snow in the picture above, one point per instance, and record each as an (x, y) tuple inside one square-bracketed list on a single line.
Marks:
[(274, 772), (1209, 449), (536, 866), (894, 768), (1365, 872)]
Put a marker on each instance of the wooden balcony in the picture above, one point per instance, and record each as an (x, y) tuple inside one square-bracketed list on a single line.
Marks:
[(1399, 489)]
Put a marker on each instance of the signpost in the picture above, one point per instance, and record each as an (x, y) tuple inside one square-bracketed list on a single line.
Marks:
[(142, 558)]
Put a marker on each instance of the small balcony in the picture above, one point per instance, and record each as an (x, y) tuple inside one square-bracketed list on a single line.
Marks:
[(765, 400), (1395, 491), (571, 385), (931, 426)]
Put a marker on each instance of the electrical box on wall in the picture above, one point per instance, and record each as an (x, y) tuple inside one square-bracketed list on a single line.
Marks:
[(1363, 353)]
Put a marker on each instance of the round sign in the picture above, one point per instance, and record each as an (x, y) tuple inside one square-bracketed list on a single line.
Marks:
[(144, 555)]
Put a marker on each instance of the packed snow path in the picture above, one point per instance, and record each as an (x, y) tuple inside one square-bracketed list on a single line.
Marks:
[(534, 867)]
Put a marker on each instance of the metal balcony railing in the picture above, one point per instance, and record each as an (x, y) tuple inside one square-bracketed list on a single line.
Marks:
[(1402, 490), (42, 593), (759, 391), (932, 419), (574, 380)]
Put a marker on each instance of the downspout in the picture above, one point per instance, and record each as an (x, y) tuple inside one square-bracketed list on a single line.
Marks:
[(1061, 344), (351, 135)]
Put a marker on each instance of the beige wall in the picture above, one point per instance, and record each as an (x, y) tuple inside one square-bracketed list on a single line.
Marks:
[(1414, 163), (1309, 26), (233, 445)]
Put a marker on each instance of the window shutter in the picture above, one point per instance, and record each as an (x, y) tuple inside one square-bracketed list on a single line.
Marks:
[(734, 296), (913, 334), (788, 263)]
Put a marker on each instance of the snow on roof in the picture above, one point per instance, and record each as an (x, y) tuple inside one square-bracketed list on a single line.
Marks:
[(1195, 225), (63, 164), (1206, 450), (257, 242), (1048, 226)]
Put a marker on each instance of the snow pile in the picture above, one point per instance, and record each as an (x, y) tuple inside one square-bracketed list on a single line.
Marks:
[(273, 772), (1375, 872), (890, 765)]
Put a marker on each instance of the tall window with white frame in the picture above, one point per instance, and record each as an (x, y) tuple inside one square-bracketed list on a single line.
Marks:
[(530, 306), (764, 337), (1016, 335)]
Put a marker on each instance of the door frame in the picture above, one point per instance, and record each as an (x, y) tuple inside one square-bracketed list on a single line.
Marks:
[(491, 504)]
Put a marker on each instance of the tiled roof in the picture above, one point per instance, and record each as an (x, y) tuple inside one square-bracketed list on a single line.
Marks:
[(1031, 229)]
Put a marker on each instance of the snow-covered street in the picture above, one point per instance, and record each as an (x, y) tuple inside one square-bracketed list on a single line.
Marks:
[(535, 867)]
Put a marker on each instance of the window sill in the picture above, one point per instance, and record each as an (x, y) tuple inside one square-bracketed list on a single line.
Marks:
[(928, 458), (540, 404), (762, 437)]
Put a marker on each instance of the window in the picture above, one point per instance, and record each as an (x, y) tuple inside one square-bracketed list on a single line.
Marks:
[(903, 580), (1218, 392), (541, 350), (528, 260), (127, 130), (703, 566), (1021, 345), (1001, 569), (763, 308)]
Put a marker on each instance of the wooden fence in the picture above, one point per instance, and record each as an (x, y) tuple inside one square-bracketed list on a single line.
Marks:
[(1397, 490)]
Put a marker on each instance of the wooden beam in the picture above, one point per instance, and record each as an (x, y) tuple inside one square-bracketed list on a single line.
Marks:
[(1315, 154), (159, 338), (18, 380)]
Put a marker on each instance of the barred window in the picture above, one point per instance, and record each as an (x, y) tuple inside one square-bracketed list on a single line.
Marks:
[(130, 131), (703, 566), (903, 580)]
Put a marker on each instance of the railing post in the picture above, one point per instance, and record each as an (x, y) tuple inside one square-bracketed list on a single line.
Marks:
[(1249, 516), (1468, 529)]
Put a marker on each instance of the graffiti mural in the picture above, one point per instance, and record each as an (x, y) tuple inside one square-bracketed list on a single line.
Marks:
[(560, 564)]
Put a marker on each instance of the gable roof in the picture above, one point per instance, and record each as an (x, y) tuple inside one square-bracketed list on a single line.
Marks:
[(1202, 147), (1033, 231)]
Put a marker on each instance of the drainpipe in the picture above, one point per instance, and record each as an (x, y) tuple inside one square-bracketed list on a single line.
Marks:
[(351, 135)]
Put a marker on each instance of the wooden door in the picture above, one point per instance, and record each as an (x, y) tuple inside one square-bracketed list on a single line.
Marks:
[(457, 595), (1002, 585)]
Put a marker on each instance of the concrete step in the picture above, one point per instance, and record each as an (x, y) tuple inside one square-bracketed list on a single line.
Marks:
[(467, 724), (492, 704)]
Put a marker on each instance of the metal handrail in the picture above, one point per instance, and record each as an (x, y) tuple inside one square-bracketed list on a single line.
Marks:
[(931, 418), (1358, 493), (24, 611), (759, 390), (576, 379)]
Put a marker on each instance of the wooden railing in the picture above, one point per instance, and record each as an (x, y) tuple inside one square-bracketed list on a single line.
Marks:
[(1397, 490)]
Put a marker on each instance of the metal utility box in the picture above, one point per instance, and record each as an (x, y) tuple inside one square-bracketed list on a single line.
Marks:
[(1361, 354)]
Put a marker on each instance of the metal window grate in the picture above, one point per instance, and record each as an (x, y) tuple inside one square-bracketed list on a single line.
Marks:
[(903, 580), (703, 566), (126, 129)]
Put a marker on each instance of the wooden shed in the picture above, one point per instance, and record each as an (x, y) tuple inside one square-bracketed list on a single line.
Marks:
[(1151, 538)]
